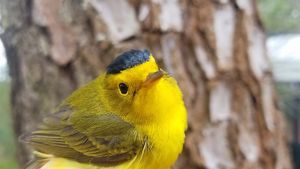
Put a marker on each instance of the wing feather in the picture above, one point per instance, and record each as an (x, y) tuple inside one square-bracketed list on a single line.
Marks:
[(104, 139)]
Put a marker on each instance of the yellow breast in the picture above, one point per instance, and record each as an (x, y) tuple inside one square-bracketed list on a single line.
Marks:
[(166, 131)]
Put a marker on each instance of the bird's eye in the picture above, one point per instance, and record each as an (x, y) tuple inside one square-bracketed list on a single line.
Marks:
[(123, 88)]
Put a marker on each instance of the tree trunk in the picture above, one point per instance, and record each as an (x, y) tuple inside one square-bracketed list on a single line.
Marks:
[(214, 48)]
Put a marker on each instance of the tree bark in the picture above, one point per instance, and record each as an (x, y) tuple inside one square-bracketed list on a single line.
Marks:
[(214, 48)]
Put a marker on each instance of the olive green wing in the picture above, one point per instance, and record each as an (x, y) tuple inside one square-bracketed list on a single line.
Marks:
[(99, 139)]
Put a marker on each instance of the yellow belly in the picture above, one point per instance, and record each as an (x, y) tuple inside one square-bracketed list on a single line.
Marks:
[(62, 163), (157, 158)]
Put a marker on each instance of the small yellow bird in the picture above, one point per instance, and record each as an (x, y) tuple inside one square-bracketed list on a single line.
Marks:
[(131, 117)]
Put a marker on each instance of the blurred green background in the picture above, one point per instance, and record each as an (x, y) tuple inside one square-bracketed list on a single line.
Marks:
[(7, 147), (280, 17)]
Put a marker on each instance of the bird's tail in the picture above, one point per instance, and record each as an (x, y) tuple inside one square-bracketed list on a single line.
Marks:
[(36, 164), (40, 160)]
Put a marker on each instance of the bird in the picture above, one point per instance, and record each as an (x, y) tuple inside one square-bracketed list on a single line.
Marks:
[(130, 117)]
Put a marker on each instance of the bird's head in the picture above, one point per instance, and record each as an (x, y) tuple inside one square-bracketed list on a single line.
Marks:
[(137, 88)]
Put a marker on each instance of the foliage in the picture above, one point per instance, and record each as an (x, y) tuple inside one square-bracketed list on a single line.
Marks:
[(289, 94), (280, 16), (7, 143)]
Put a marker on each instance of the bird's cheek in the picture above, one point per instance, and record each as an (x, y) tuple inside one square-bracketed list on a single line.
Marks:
[(138, 100)]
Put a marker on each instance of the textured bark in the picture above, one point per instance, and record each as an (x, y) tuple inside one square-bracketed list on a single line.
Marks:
[(214, 48)]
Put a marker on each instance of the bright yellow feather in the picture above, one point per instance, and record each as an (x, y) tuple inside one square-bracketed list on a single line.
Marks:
[(156, 111)]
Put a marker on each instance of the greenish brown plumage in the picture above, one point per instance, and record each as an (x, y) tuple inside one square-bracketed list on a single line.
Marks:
[(103, 139)]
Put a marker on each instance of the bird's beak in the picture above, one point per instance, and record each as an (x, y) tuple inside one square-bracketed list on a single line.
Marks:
[(152, 77)]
